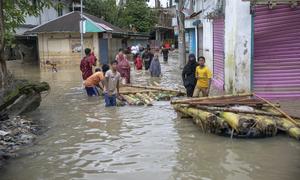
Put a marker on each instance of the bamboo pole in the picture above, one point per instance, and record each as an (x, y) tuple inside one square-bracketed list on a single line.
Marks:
[(156, 84), (137, 99), (155, 88), (212, 102), (128, 99), (179, 101), (240, 123), (148, 97), (272, 110), (266, 125), (285, 125), (278, 109), (144, 99), (153, 96), (137, 91), (256, 112), (202, 118), (225, 104)]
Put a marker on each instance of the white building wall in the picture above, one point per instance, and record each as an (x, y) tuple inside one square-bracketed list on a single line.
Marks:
[(208, 42), (237, 47), (237, 43), (61, 48), (208, 6)]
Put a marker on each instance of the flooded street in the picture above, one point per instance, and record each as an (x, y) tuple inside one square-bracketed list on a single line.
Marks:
[(85, 140)]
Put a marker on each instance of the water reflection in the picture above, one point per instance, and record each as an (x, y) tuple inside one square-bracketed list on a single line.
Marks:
[(204, 156)]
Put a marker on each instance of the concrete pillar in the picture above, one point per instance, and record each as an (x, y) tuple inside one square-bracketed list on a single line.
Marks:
[(237, 47), (96, 45)]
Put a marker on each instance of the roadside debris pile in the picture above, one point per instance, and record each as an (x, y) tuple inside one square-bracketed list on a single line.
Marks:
[(145, 95), (241, 116), (14, 132)]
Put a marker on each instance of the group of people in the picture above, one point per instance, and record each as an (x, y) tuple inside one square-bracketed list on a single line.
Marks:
[(196, 77), (107, 78), (150, 61)]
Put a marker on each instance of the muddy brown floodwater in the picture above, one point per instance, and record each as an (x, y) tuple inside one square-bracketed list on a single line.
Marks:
[(85, 140)]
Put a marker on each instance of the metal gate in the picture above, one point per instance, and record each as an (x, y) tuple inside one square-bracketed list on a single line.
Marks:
[(218, 52), (276, 63)]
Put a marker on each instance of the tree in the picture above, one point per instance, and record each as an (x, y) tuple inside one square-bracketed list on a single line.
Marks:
[(12, 15), (133, 15), (137, 15), (103, 8)]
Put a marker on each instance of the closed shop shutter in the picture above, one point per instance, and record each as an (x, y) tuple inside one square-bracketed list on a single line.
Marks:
[(218, 52), (276, 64)]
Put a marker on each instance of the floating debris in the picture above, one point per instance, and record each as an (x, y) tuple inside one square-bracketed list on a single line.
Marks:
[(241, 116)]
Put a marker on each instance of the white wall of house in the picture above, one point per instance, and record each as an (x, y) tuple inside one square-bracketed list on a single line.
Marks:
[(237, 43), (208, 42), (237, 47), (208, 6)]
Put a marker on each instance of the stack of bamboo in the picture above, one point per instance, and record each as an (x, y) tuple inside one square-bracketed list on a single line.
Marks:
[(146, 95), (238, 116)]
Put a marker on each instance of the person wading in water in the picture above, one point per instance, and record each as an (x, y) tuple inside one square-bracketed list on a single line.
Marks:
[(111, 85), (188, 75), (87, 63), (123, 67), (147, 58)]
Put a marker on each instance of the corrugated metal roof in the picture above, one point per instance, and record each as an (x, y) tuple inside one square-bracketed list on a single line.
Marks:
[(70, 23)]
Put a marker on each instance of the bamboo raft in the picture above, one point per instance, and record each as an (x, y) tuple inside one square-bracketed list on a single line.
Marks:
[(241, 116), (145, 95)]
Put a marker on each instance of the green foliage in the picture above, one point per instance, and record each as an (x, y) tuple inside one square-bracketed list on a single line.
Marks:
[(103, 8), (135, 15), (15, 12)]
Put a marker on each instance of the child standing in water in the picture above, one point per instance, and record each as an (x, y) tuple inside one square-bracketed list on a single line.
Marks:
[(111, 88), (203, 76), (138, 62)]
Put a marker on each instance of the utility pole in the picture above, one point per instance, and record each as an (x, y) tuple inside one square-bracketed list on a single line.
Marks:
[(157, 3), (81, 28), (181, 35)]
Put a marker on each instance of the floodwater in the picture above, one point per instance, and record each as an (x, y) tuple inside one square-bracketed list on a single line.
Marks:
[(85, 140)]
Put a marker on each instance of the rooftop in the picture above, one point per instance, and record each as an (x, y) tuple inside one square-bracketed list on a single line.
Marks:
[(70, 23)]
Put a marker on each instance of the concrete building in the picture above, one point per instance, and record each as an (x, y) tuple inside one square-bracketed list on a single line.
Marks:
[(163, 31), (26, 45), (253, 46), (59, 39), (193, 26)]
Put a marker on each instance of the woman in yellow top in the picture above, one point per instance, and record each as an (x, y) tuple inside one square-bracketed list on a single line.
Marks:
[(203, 76)]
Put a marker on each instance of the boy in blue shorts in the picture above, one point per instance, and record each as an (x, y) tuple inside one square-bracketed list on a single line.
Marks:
[(111, 88)]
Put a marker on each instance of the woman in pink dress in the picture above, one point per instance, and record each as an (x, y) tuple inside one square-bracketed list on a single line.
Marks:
[(123, 67)]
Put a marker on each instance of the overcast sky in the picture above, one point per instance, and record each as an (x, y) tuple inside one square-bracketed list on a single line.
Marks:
[(162, 2)]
